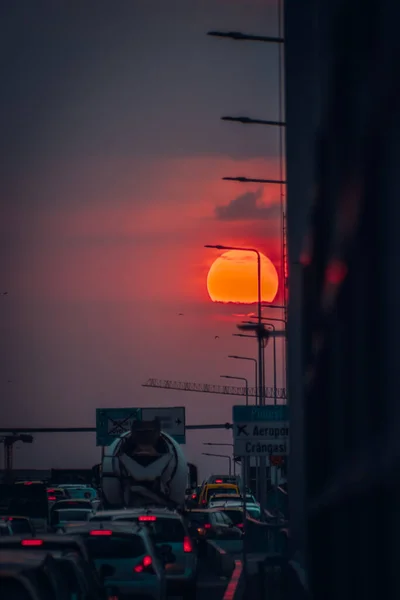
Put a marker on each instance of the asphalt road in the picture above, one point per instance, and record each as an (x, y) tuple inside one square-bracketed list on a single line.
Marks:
[(210, 586)]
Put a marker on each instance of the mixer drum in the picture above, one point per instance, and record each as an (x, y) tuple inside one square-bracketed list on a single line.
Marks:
[(144, 467)]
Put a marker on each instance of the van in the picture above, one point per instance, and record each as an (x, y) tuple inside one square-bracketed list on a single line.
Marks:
[(210, 489)]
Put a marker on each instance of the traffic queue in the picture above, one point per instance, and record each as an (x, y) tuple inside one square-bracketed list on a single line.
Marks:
[(59, 543)]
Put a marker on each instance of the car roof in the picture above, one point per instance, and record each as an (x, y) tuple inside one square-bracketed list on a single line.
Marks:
[(205, 510), (75, 510), (23, 557), (161, 512), (221, 485), (46, 537), (115, 527)]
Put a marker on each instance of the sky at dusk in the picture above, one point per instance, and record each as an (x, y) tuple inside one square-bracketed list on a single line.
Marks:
[(111, 185)]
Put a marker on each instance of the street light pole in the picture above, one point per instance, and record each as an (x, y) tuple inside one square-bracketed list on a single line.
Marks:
[(221, 456), (231, 445), (259, 301), (255, 364), (240, 379)]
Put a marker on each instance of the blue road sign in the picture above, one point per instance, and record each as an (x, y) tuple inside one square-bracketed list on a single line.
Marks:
[(260, 413), (113, 422), (172, 420), (261, 430)]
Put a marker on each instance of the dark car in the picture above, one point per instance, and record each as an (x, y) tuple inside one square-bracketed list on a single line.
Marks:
[(17, 586), (19, 525), (56, 545), (67, 505), (80, 581), (46, 542), (211, 524), (27, 499), (41, 570)]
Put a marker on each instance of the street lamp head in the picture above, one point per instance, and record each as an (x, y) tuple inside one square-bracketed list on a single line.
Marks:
[(215, 246), (227, 377), (233, 356)]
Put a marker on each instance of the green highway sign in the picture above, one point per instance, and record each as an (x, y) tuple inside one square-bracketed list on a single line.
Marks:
[(113, 422)]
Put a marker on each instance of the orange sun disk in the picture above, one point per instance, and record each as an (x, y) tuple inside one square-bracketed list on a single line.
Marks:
[(233, 278)]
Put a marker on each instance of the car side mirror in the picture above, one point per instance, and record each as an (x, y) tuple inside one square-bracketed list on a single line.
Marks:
[(106, 571)]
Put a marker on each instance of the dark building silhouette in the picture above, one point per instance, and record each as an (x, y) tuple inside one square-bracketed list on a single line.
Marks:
[(343, 152)]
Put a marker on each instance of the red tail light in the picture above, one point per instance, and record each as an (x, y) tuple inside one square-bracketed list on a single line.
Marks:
[(194, 496), (204, 501), (147, 518), (219, 481), (51, 498), (101, 532), (146, 563), (27, 482), (187, 544), (50, 490), (32, 543), (207, 526), (240, 525)]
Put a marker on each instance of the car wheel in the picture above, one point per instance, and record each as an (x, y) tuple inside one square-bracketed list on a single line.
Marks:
[(190, 592)]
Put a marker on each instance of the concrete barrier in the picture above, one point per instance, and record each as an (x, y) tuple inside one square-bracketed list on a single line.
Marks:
[(222, 563), (265, 537)]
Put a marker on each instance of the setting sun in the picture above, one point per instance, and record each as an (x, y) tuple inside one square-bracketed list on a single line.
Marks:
[(233, 278)]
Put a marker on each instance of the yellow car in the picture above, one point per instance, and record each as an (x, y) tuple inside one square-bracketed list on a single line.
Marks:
[(211, 489)]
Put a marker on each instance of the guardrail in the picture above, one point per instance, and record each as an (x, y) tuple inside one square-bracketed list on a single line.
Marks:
[(223, 564), (266, 537)]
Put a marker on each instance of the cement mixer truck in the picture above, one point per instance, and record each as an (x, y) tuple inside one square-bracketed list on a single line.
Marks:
[(144, 467)]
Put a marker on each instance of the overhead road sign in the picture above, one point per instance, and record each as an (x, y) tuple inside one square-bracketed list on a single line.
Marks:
[(261, 430), (113, 422), (172, 419)]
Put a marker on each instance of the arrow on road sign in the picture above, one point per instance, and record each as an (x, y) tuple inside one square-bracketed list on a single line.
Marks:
[(178, 421)]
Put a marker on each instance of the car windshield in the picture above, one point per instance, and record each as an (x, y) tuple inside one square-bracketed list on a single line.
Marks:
[(64, 515), (114, 546)]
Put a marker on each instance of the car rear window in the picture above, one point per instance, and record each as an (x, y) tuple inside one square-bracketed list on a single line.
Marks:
[(20, 526), (199, 518), (222, 490), (69, 504), (70, 515), (236, 516), (162, 529), (167, 530), (115, 546)]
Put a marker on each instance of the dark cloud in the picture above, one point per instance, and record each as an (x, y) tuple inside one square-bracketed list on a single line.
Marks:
[(246, 207)]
